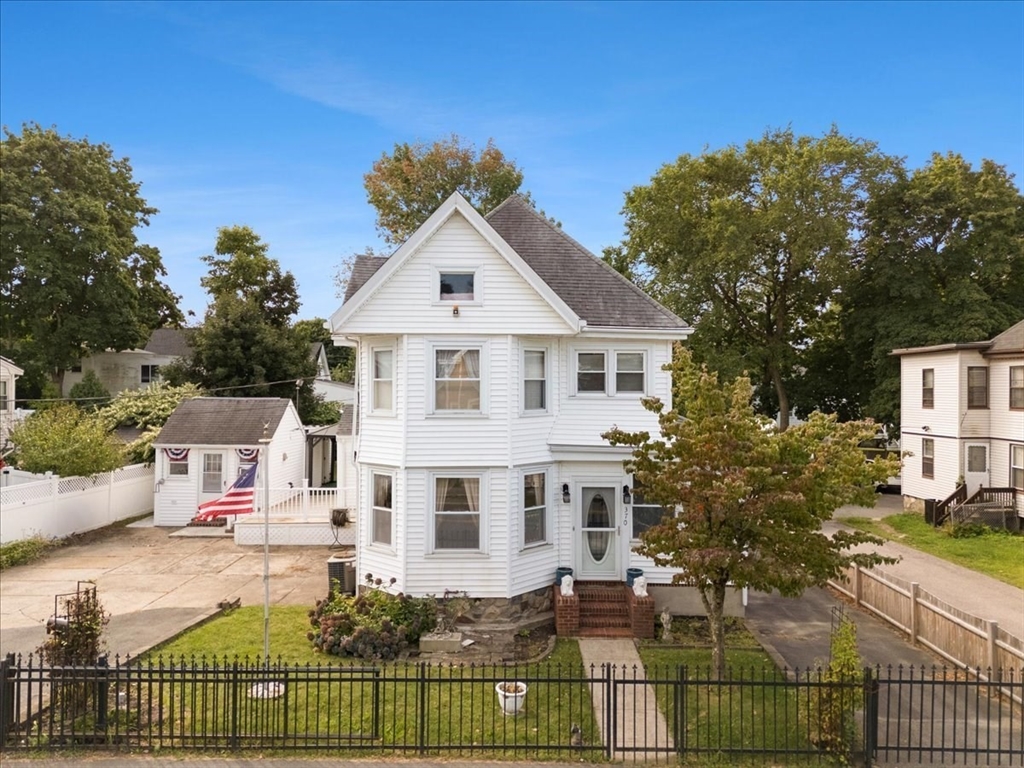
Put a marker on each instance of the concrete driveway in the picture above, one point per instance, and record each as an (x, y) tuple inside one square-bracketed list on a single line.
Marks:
[(154, 584)]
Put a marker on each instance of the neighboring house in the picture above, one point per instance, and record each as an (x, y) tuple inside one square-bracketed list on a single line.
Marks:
[(132, 368), (9, 374), (209, 441), (332, 391), (491, 356), (962, 417)]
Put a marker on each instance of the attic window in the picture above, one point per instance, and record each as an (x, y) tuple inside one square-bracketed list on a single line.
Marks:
[(456, 286)]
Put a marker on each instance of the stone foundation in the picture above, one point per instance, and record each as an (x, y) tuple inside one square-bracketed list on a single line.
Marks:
[(521, 608), (913, 504)]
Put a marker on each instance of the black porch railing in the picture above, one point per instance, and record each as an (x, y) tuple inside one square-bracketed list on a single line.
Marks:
[(899, 716)]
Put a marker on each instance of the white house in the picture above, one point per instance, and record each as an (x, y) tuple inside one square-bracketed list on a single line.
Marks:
[(209, 441), (131, 368), (962, 417), (491, 356), (9, 374)]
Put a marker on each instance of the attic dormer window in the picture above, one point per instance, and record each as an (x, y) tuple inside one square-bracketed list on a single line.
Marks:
[(456, 286)]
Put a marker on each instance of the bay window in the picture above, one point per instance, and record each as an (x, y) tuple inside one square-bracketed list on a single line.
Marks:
[(383, 376), (534, 508), (457, 513), (457, 380), (381, 524), (535, 380)]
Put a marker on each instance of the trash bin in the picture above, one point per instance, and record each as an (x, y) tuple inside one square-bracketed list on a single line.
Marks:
[(632, 574), (560, 572), (342, 570)]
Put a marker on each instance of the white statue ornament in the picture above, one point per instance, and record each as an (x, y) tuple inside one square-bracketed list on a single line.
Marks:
[(566, 586), (640, 586)]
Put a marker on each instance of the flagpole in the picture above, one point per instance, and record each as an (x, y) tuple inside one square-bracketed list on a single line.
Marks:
[(265, 442)]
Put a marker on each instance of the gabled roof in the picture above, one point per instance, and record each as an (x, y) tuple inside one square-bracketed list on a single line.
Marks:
[(9, 364), (170, 342), (594, 290), (585, 286), (223, 421), (1008, 343)]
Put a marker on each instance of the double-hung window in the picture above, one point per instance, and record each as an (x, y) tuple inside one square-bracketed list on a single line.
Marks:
[(3, 396), (457, 513), (645, 513), (381, 524), (535, 524), (928, 388), (535, 396), (1017, 467), (611, 372), (457, 380), (1017, 388), (927, 457), (977, 387), (383, 375)]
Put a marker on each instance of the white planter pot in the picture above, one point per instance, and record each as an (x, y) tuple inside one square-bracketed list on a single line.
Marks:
[(511, 696)]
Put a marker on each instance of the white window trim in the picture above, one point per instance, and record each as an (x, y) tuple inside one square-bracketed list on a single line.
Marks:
[(373, 391), (431, 383), (611, 354), (1013, 466), (478, 286), (523, 410), (546, 471), (643, 362), (370, 542), (482, 512), (181, 477)]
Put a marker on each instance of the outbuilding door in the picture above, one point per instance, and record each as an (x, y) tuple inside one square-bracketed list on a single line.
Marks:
[(599, 540), (975, 466), (213, 481)]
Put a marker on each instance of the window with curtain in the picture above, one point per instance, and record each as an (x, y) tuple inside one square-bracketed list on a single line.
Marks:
[(457, 513), (534, 508), (928, 388), (382, 509), (927, 457), (977, 387), (383, 379), (534, 380), (457, 379)]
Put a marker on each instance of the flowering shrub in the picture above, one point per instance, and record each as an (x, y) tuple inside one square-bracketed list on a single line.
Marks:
[(374, 625)]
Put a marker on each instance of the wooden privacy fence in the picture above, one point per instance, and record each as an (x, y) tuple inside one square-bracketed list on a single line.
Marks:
[(956, 635)]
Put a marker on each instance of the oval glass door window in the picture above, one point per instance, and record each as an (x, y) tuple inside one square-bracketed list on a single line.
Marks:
[(598, 516)]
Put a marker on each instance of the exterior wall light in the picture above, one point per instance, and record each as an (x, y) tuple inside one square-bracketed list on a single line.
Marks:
[(627, 495), (565, 493)]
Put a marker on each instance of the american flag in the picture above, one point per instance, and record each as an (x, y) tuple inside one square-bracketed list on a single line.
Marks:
[(237, 501)]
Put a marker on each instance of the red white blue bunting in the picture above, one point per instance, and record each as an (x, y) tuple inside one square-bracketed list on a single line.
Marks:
[(248, 454), (176, 454)]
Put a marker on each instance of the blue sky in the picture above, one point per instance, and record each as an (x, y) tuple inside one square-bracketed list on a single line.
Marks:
[(268, 114)]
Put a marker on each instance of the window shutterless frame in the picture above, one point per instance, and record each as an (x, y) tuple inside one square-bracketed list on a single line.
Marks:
[(1017, 466), (382, 380), (382, 509), (457, 517), (928, 388), (457, 285), (458, 383), (535, 380), (977, 387), (1017, 387), (535, 507), (927, 457)]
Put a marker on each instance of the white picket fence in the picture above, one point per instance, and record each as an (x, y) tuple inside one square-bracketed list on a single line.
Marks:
[(60, 506)]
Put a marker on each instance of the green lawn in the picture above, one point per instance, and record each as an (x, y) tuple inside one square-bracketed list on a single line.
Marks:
[(998, 554)]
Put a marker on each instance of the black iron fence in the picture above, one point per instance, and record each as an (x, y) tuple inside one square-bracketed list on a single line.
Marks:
[(541, 711)]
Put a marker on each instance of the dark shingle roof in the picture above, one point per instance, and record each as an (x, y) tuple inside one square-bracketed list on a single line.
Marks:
[(1009, 342), (593, 290), (222, 421), (172, 342), (363, 268)]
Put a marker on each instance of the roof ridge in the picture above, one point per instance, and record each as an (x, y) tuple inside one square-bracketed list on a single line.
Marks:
[(607, 267)]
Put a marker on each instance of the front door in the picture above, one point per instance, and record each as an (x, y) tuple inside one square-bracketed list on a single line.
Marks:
[(599, 541), (212, 481), (975, 466)]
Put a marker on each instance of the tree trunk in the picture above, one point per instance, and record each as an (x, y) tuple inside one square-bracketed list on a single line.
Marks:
[(713, 598), (780, 393)]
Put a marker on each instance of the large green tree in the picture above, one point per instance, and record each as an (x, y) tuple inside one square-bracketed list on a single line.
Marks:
[(748, 501), (67, 441), (74, 278), (409, 184), (247, 345), (942, 261), (751, 244)]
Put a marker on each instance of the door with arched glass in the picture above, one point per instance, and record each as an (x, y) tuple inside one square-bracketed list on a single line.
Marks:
[(599, 539)]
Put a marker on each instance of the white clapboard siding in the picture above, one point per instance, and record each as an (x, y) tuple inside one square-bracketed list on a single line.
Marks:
[(1005, 423), (943, 419), (406, 300)]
